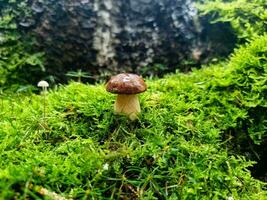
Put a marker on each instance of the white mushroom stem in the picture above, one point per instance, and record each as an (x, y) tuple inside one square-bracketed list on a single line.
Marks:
[(127, 104)]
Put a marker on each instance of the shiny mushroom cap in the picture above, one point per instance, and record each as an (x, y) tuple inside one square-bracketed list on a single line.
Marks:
[(43, 84), (126, 84)]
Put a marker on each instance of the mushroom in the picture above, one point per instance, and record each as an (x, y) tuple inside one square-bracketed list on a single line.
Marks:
[(127, 86), (43, 84)]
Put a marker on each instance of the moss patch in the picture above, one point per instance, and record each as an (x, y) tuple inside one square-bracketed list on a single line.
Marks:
[(181, 147)]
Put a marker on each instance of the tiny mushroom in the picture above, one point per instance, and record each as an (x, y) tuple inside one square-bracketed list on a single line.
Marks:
[(127, 86), (43, 84)]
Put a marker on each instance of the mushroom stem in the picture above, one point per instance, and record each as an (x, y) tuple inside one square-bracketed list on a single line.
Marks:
[(127, 104), (44, 96)]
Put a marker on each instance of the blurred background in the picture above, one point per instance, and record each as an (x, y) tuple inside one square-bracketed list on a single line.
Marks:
[(91, 40)]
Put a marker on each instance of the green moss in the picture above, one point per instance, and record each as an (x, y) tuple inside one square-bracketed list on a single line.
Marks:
[(176, 150), (247, 18), (19, 63)]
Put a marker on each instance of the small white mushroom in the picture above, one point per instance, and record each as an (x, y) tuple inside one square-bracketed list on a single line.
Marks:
[(43, 84)]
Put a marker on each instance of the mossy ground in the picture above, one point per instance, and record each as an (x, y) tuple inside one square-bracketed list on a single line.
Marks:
[(181, 147)]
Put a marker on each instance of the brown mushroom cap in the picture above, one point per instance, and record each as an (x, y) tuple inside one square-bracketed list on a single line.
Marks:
[(126, 84)]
